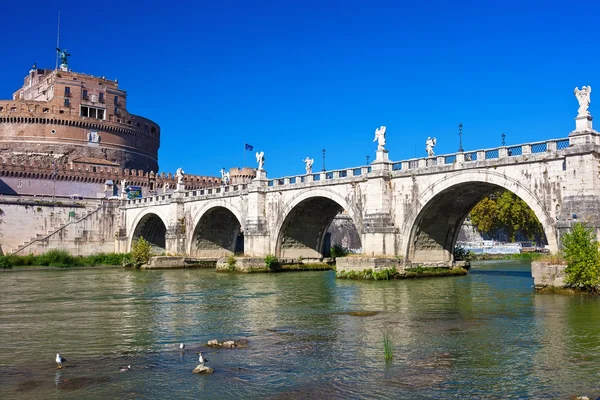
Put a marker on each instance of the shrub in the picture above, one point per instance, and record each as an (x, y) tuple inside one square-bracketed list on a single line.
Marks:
[(581, 252), (57, 258), (460, 254), (337, 250), (271, 262), (141, 251), (231, 263), (4, 263)]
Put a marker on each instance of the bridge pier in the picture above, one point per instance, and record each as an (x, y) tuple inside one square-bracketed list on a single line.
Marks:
[(256, 233), (379, 231)]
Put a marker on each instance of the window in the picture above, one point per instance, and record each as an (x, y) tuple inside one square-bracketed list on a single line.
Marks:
[(1, 108), (67, 91), (116, 101), (92, 112), (85, 94), (13, 109), (116, 110), (101, 97), (67, 103)]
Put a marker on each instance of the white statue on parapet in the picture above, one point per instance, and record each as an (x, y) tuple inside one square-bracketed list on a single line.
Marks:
[(165, 187), (224, 176), (179, 174), (583, 97), (260, 159), (429, 145), (123, 186), (380, 137), (309, 163)]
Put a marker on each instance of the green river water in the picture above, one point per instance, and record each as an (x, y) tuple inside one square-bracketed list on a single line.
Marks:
[(483, 336)]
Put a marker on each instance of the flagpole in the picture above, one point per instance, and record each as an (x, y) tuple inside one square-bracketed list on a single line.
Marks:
[(244, 154)]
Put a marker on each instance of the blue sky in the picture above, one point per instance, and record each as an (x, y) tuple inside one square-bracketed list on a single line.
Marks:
[(293, 78)]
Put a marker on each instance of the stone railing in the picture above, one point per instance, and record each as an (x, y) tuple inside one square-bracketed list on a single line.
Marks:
[(321, 176), (481, 155), (210, 192), (341, 175), (427, 162)]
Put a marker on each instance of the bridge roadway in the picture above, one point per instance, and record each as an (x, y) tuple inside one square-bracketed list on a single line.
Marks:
[(411, 209)]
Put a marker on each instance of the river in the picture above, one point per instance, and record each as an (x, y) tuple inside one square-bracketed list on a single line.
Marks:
[(485, 335)]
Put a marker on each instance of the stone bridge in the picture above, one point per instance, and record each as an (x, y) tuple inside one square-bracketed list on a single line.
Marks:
[(411, 209)]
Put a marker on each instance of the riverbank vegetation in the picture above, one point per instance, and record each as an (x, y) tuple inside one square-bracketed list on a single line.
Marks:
[(583, 259), (60, 259)]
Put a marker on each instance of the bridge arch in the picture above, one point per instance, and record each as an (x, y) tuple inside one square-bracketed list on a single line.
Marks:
[(217, 231), (150, 224), (302, 224), (431, 227)]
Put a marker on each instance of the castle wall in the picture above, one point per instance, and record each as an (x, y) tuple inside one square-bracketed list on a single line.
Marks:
[(24, 220), (74, 115)]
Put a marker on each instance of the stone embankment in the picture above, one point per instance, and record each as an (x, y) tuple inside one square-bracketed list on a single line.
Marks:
[(386, 268), (168, 262), (548, 275)]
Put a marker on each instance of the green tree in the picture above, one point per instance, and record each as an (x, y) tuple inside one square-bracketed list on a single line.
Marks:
[(504, 210), (581, 252), (141, 251)]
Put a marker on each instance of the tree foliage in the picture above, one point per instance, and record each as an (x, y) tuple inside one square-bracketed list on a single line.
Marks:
[(504, 210), (141, 251), (581, 252)]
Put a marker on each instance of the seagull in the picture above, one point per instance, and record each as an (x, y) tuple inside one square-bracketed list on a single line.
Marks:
[(181, 346), (60, 360), (201, 359), (125, 368)]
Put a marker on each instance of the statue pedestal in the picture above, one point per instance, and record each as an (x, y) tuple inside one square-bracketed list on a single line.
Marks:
[(64, 67), (381, 156), (583, 124), (261, 175), (180, 187)]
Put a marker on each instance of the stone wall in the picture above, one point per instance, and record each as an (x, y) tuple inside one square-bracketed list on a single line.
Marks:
[(34, 226)]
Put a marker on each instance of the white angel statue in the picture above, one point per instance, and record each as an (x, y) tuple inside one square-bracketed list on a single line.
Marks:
[(583, 97), (380, 137), (179, 175), (429, 145), (260, 159), (309, 163)]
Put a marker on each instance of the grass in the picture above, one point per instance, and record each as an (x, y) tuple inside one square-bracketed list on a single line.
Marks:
[(387, 348), (60, 259)]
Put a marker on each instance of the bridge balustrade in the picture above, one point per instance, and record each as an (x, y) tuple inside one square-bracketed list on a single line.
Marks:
[(411, 164)]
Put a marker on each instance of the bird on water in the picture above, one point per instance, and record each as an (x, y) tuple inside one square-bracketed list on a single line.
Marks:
[(181, 346), (125, 368), (201, 359), (60, 360)]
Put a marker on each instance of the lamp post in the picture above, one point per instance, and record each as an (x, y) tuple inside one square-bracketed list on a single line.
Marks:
[(323, 166), (503, 137), (460, 148), (367, 160)]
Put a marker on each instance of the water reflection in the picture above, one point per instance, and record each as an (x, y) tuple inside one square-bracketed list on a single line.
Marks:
[(486, 335)]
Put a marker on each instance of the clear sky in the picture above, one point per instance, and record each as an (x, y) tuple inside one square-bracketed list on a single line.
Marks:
[(293, 78)]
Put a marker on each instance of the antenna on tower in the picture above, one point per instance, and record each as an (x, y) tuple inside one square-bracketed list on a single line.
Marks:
[(57, 40)]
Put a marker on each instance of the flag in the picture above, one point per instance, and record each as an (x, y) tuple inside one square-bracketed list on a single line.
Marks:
[(248, 147)]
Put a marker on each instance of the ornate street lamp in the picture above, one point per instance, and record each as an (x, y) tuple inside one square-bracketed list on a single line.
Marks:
[(503, 137), (323, 169), (460, 148)]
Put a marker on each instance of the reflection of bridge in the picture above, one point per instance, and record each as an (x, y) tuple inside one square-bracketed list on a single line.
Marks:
[(412, 208)]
